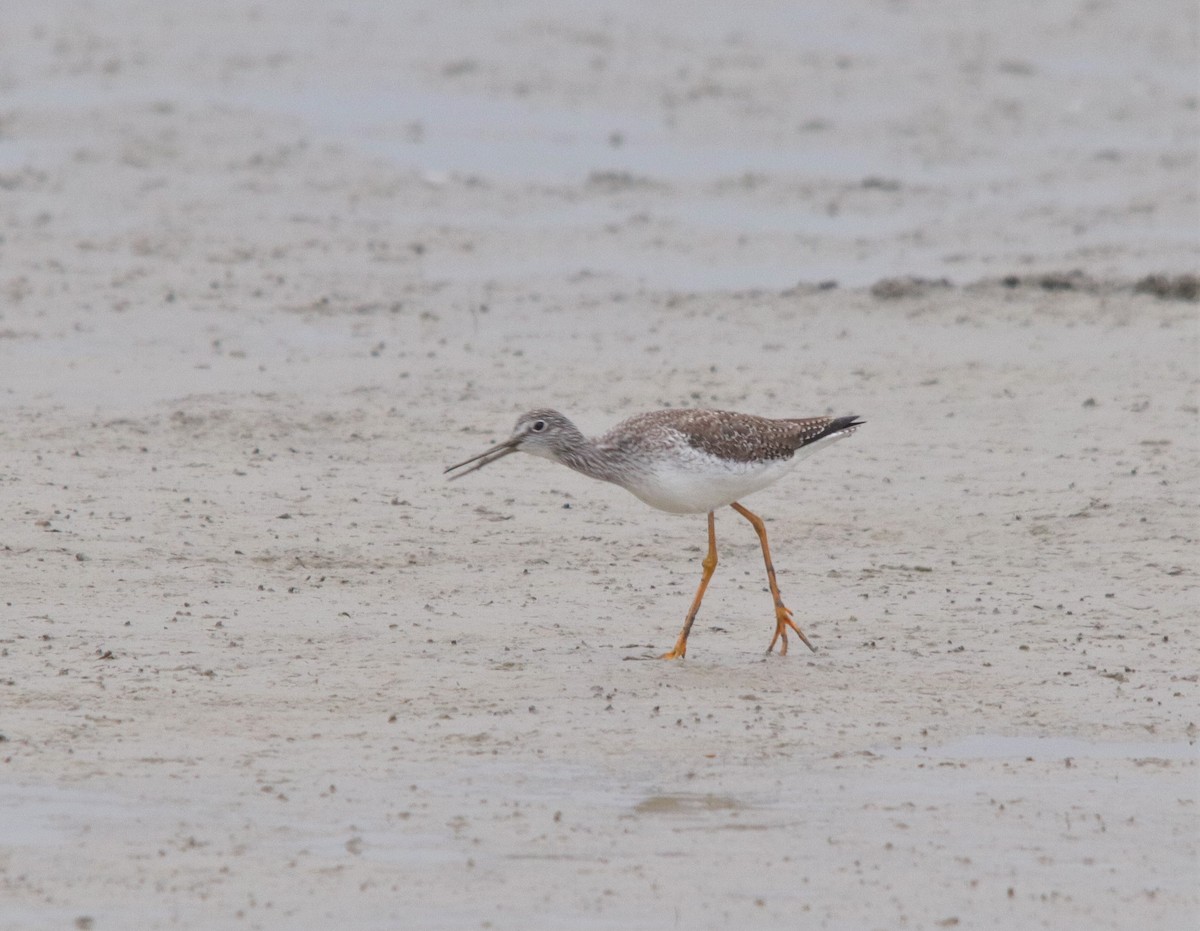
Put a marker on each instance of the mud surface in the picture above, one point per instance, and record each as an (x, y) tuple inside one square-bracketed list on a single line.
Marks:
[(268, 268)]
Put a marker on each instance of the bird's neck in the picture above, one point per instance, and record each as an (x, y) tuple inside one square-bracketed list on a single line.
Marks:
[(586, 456)]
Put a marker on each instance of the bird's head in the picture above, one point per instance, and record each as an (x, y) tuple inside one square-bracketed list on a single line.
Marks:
[(542, 432)]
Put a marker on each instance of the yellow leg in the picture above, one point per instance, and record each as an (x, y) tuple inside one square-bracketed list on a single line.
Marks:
[(783, 615), (710, 565)]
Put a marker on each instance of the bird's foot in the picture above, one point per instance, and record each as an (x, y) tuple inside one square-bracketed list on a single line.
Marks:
[(783, 620), (679, 651)]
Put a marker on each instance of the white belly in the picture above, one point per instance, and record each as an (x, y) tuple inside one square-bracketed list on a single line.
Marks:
[(704, 484), (696, 483)]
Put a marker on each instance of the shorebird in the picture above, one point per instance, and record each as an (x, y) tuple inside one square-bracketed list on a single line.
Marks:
[(684, 462)]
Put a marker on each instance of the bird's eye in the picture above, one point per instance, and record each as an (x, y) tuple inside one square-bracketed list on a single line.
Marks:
[(539, 426)]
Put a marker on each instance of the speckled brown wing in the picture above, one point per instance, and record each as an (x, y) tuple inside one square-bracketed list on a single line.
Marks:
[(732, 436), (727, 435), (747, 438)]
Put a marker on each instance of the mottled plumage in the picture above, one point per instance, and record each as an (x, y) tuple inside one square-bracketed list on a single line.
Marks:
[(725, 434), (683, 461)]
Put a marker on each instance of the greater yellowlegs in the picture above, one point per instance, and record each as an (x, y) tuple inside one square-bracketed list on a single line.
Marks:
[(685, 462)]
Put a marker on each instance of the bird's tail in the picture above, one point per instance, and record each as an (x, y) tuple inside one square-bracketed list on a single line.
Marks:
[(837, 429), (838, 424)]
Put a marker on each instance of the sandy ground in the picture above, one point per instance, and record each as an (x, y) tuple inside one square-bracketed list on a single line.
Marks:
[(267, 267)]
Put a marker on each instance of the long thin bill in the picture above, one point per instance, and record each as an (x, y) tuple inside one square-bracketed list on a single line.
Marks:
[(484, 458)]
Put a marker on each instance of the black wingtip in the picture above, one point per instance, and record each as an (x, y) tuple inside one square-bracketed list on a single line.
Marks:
[(843, 423)]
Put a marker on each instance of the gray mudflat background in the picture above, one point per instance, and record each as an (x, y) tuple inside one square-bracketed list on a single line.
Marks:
[(266, 268)]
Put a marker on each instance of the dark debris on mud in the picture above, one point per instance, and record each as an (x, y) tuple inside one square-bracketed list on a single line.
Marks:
[(1183, 287)]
